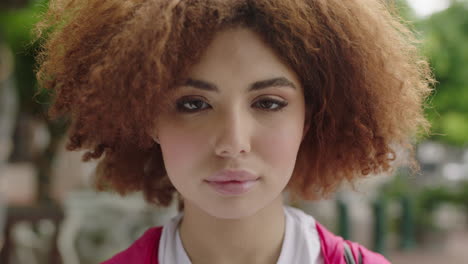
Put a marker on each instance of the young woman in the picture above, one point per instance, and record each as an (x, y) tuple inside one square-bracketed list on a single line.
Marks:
[(226, 104)]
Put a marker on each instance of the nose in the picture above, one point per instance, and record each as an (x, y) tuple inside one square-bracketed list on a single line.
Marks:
[(233, 137)]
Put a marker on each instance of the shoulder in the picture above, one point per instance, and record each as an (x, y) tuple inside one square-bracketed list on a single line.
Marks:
[(333, 249), (143, 250)]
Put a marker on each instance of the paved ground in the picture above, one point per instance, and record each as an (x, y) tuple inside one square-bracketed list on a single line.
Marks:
[(453, 251)]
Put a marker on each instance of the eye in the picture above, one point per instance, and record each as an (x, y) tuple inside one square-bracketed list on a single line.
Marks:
[(270, 104), (191, 105)]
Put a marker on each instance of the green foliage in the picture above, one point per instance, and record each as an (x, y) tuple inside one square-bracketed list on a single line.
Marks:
[(430, 198), (446, 35), (16, 28), (404, 10), (423, 202), (399, 186), (462, 197)]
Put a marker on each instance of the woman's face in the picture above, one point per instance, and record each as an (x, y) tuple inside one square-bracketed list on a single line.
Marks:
[(231, 137)]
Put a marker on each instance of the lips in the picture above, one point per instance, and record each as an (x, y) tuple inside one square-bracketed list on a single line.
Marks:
[(232, 175), (232, 183)]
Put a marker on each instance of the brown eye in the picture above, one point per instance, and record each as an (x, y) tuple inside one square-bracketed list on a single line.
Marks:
[(270, 104), (191, 105)]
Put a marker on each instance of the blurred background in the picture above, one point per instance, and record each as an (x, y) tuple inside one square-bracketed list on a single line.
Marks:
[(49, 213)]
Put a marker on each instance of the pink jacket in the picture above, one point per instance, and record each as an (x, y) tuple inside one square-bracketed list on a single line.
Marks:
[(145, 249)]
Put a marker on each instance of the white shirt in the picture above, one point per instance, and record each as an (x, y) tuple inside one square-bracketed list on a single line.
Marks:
[(301, 242)]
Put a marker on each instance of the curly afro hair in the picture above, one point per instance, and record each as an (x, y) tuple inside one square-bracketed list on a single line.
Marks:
[(110, 66)]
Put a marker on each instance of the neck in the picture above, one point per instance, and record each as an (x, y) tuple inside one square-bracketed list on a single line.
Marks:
[(254, 239)]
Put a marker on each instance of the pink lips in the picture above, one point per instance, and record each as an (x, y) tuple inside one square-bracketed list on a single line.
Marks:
[(229, 182)]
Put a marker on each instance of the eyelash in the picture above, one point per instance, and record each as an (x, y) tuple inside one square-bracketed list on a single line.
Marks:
[(181, 102)]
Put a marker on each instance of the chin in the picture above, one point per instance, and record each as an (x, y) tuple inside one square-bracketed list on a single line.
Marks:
[(232, 211), (232, 215)]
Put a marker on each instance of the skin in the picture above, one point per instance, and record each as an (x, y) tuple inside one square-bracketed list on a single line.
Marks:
[(233, 128)]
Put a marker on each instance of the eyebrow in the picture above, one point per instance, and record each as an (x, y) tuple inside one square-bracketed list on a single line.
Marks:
[(275, 82)]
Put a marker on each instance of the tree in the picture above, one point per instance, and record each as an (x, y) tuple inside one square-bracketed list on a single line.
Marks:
[(445, 37), (16, 27)]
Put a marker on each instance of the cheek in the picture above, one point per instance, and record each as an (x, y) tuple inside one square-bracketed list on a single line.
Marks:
[(279, 147), (180, 150)]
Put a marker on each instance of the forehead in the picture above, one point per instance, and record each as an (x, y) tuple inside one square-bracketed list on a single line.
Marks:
[(239, 55)]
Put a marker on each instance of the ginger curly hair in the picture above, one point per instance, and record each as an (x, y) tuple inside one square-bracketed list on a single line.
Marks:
[(110, 66)]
